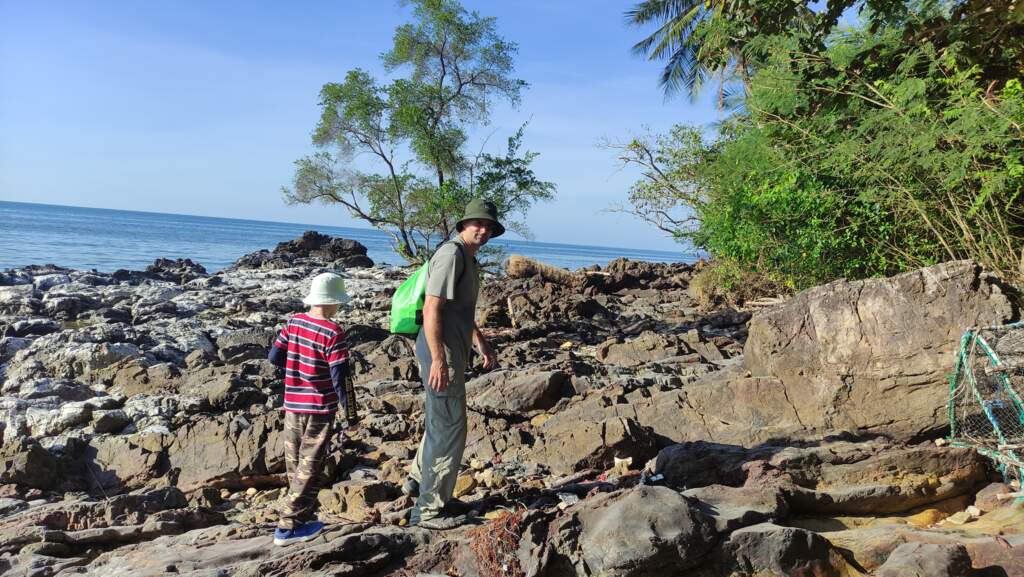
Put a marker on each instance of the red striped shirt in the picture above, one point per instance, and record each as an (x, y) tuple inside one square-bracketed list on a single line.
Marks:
[(312, 346)]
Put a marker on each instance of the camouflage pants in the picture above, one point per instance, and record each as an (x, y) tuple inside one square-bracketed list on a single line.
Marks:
[(307, 437)]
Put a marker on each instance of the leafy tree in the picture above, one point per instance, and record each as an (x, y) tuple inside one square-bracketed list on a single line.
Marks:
[(898, 143), (707, 39), (415, 128)]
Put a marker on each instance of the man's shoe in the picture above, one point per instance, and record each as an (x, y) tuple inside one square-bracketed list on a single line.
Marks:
[(442, 522), (411, 487), (304, 532)]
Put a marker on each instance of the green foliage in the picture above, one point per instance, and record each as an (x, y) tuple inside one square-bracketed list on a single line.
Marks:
[(894, 144), (415, 128)]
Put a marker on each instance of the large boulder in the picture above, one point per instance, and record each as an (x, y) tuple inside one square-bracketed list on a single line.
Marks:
[(245, 344), (122, 461), (178, 271), (873, 355), (516, 394), (25, 462), (227, 451), (769, 549), (644, 531), (570, 444), (393, 360)]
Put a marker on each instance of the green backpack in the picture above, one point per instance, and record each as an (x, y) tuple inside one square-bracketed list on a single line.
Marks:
[(407, 302)]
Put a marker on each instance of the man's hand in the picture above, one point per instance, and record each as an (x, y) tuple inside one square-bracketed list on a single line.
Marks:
[(487, 352), (438, 379)]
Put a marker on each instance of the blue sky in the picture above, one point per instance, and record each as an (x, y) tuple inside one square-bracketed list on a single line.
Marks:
[(199, 107)]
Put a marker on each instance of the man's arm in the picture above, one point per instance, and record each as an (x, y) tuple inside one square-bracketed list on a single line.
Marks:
[(486, 351), (433, 307)]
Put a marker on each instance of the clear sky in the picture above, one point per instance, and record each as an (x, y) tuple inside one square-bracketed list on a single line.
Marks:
[(200, 107)]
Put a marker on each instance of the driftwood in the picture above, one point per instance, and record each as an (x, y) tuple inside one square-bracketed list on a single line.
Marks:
[(522, 267)]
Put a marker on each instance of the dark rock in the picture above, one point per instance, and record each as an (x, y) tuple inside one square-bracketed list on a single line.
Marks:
[(11, 345), (147, 310), (9, 506), (645, 531), (622, 274), (65, 307), (133, 277), (358, 334), (111, 421), (700, 464), (25, 462), (728, 317), (245, 344), (34, 327), (229, 392), (393, 359), (767, 549), (178, 271), (927, 560), (205, 497), (312, 248)]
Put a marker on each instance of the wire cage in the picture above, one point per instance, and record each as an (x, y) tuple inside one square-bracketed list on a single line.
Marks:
[(985, 408)]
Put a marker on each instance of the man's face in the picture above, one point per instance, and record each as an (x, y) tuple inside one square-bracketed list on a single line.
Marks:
[(477, 231)]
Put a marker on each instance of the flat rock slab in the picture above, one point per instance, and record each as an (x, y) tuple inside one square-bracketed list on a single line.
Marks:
[(517, 393), (736, 507), (248, 551)]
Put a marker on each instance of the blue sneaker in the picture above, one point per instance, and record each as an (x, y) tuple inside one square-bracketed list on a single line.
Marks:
[(304, 532)]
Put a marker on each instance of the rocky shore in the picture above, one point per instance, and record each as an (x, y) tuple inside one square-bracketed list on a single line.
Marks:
[(628, 432)]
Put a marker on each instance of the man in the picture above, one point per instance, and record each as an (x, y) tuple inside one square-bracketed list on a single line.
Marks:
[(443, 350)]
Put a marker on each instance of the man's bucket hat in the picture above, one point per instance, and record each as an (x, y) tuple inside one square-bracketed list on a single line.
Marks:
[(483, 209), (327, 289)]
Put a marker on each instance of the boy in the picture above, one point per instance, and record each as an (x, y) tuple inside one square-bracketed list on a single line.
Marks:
[(314, 354)]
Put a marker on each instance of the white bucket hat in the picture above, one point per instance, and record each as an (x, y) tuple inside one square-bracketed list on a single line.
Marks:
[(327, 289)]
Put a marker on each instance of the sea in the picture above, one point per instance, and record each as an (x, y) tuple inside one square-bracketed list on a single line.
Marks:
[(107, 240)]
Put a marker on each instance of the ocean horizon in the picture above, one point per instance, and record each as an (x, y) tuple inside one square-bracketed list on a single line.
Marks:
[(109, 239)]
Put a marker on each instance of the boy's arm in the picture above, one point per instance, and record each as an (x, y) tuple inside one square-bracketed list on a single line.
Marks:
[(279, 350), (277, 356)]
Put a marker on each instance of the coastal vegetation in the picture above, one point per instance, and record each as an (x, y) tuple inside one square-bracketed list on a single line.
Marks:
[(868, 138), (396, 153)]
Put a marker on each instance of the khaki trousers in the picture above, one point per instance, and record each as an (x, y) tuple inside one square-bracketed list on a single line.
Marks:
[(439, 457)]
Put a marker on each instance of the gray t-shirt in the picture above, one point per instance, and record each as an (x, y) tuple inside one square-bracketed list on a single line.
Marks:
[(458, 315)]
